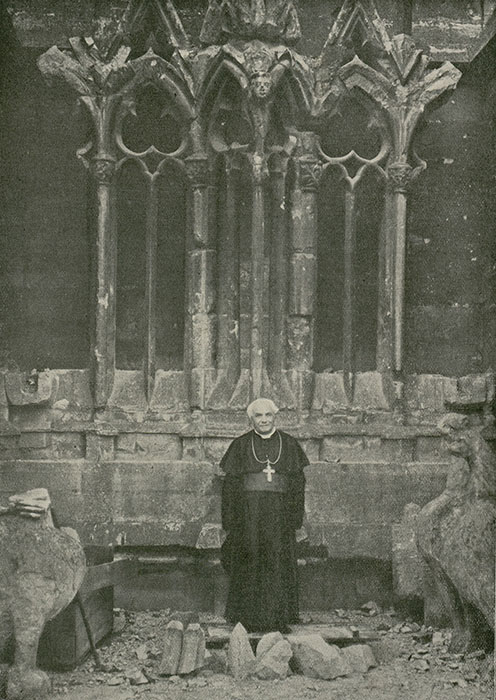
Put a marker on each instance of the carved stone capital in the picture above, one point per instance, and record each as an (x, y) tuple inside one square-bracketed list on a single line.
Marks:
[(103, 170), (310, 174), (197, 170), (400, 176)]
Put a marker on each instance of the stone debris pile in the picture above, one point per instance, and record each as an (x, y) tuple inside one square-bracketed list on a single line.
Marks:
[(307, 654), (412, 657)]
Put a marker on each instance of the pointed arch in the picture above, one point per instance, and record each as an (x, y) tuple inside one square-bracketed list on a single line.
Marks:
[(161, 15), (361, 13)]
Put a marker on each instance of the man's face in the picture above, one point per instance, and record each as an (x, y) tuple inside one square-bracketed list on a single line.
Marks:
[(261, 86), (263, 421)]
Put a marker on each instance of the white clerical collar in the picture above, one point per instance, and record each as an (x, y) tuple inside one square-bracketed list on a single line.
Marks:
[(267, 435)]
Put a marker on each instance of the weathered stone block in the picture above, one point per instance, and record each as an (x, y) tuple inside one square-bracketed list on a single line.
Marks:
[(171, 650), (329, 392), (339, 449), (215, 448), (170, 391), (350, 507), (267, 642), (240, 656), (99, 447), (166, 502), (369, 391), (428, 392), (74, 387), (166, 447), (9, 444), (193, 449), (313, 657), (193, 649), (302, 284), (378, 449), (63, 480), (128, 390), (30, 418), (471, 389), (68, 445), (36, 389), (274, 663), (34, 441), (125, 442), (359, 657)]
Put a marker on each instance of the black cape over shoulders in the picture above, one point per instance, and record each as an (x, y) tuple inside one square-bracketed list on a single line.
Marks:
[(259, 552)]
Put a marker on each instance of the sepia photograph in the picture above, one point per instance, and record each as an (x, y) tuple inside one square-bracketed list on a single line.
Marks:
[(247, 349)]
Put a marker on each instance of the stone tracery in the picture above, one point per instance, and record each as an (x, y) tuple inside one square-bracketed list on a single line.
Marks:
[(282, 97)]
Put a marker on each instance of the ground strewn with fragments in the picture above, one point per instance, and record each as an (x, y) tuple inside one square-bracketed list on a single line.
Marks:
[(412, 663)]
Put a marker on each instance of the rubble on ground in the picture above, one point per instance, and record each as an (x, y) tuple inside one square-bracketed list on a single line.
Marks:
[(135, 655)]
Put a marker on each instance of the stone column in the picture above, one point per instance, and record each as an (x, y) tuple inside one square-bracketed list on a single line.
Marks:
[(103, 169), (402, 100), (201, 264), (259, 173), (151, 285), (228, 349), (393, 260), (277, 382), (303, 269)]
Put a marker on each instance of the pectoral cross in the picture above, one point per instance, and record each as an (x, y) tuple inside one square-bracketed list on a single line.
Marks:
[(269, 471)]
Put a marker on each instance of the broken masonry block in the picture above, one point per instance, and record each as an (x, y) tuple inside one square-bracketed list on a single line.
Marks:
[(172, 648)]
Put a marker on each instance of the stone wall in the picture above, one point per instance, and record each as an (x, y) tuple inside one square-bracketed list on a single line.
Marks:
[(142, 482), (138, 469)]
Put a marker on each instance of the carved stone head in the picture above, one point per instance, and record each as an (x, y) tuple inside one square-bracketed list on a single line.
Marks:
[(261, 86), (460, 434)]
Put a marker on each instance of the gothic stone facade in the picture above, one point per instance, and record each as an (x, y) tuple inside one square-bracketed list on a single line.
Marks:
[(205, 202)]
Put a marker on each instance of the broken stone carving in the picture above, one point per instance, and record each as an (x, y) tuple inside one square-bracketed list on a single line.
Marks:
[(313, 657), (272, 661), (33, 389), (183, 649), (307, 654), (455, 534), (41, 570), (240, 656)]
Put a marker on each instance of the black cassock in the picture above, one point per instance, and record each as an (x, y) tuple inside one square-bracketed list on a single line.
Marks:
[(260, 518)]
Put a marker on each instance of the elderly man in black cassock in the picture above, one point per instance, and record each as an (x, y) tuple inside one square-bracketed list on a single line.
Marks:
[(263, 499)]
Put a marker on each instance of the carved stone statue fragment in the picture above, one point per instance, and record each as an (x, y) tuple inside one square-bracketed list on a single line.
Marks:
[(455, 534), (41, 570)]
